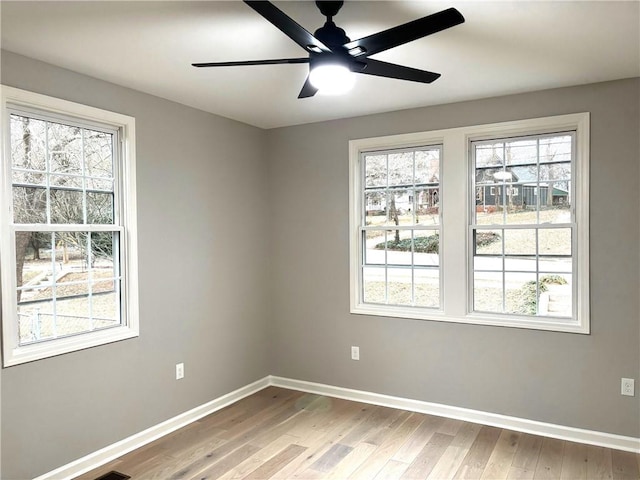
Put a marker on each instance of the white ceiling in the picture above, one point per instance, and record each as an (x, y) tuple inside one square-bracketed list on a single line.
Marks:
[(503, 47)]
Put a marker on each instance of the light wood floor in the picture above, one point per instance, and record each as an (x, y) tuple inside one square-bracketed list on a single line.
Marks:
[(284, 434)]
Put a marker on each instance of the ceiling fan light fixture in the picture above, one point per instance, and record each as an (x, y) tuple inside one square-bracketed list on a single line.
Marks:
[(332, 79)]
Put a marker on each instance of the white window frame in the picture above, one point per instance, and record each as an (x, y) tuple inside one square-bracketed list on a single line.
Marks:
[(456, 187), (13, 352)]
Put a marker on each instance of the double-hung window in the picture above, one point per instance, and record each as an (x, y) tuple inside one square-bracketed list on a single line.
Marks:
[(68, 227), (483, 224), (523, 225), (400, 228)]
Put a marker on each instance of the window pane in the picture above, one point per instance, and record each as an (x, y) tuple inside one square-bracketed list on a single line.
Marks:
[(375, 170), (490, 154), (29, 205), (426, 287), (99, 208), (555, 149), (520, 242), (66, 182), (488, 262), (399, 286), (375, 247), (374, 287), (28, 177), (556, 298), (65, 149), (99, 184), (28, 143), (399, 253), (35, 318), (488, 242), (554, 241), (72, 315), (400, 207), (427, 166), (521, 152), (34, 265), (487, 292), (98, 154), (426, 245), (103, 250), (427, 205), (375, 206), (401, 169), (555, 265), (66, 206), (522, 293), (520, 264), (105, 310), (555, 172)]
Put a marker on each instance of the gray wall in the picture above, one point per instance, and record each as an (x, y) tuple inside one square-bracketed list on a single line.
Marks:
[(202, 270), (243, 238), (561, 378)]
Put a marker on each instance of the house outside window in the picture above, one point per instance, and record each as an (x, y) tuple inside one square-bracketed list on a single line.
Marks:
[(512, 225), (68, 230)]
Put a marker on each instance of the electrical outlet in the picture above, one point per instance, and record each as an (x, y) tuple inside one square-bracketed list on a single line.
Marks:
[(628, 387), (355, 353), (179, 371)]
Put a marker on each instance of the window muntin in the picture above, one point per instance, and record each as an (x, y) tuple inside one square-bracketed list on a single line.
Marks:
[(69, 273), (400, 227), (522, 245)]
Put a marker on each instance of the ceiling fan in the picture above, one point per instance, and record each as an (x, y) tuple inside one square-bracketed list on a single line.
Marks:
[(334, 57)]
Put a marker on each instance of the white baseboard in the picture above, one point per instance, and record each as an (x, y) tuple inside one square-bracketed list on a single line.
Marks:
[(113, 451), (618, 442)]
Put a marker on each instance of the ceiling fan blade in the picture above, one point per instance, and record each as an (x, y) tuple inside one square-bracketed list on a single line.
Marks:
[(252, 62), (378, 42), (288, 26), (391, 70), (308, 90)]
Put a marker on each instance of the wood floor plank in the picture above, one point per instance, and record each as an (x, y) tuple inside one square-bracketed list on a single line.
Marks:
[(450, 426), (276, 463), (378, 416), (476, 459), (331, 458), (393, 470), (549, 464), (280, 434), (427, 459), (574, 462), (625, 465), (502, 456), (456, 452), (466, 435), (360, 453), (420, 437), (526, 457), (599, 464), (395, 437), (219, 468), (260, 457)]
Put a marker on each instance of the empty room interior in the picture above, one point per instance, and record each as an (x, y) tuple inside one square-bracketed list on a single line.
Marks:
[(364, 240)]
